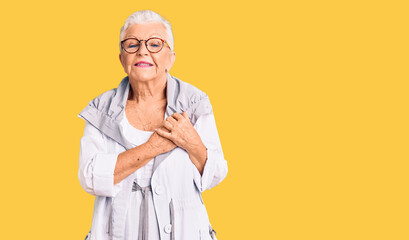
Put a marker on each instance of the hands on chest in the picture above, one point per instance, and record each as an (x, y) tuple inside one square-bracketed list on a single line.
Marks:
[(177, 130)]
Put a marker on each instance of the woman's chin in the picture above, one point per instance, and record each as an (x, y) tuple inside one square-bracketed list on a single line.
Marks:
[(144, 77)]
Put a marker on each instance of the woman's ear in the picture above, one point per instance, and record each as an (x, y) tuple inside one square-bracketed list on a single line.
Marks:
[(171, 62), (120, 59), (173, 57)]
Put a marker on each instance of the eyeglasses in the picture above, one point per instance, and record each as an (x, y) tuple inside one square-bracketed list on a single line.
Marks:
[(132, 45)]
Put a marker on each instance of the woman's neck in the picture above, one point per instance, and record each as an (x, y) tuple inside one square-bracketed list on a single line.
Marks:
[(149, 91)]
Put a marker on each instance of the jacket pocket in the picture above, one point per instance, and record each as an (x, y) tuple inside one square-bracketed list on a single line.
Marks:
[(186, 218)]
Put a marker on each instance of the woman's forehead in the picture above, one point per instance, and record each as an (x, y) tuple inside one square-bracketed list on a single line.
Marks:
[(146, 30)]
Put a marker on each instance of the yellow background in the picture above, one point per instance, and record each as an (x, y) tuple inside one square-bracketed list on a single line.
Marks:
[(310, 99)]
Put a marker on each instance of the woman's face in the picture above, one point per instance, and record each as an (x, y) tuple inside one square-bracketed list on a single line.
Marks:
[(159, 62)]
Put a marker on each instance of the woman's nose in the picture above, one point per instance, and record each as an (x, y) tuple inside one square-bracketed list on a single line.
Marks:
[(142, 49)]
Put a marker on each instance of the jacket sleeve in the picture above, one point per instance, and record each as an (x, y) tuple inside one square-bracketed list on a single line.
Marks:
[(215, 169), (96, 166)]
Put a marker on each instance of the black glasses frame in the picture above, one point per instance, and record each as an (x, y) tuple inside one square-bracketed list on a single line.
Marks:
[(146, 44)]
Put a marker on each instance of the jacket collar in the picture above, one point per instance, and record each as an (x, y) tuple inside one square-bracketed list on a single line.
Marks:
[(118, 102)]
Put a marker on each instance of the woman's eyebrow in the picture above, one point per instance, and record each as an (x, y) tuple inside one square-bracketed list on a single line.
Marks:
[(129, 36), (157, 35), (152, 35)]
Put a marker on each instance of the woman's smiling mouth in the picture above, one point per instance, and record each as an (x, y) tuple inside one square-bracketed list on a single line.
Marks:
[(143, 64)]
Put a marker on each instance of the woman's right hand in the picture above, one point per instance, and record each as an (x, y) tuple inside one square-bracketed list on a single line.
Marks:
[(159, 143)]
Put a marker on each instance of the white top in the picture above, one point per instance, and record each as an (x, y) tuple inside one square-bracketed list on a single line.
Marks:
[(143, 178), (138, 137)]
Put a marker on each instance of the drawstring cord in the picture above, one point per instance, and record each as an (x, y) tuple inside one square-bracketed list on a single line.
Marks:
[(144, 211)]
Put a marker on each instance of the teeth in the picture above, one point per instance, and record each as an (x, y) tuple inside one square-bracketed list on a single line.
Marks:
[(143, 64)]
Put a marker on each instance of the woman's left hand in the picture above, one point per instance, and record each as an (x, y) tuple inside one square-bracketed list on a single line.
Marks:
[(181, 132), (184, 135)]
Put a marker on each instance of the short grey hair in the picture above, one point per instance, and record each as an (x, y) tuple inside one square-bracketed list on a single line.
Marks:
[(147, 16)]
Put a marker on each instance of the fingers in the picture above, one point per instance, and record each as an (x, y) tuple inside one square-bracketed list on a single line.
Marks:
[(163, 133), (177, 116), (168, 125), (172, 120), (186, 115), (175, 121)]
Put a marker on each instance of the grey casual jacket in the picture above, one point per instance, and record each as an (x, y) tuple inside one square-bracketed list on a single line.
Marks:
[(176, 183)]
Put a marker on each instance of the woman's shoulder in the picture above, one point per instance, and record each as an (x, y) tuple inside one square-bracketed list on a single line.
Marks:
[(198, 102), (188, 90), (110, 100), (103, 100)]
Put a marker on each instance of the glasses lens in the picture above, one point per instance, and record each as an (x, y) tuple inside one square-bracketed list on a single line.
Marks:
[(154, 45), (131, 45)]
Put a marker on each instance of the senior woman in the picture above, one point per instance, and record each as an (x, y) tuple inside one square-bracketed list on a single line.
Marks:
[(150, 146)]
